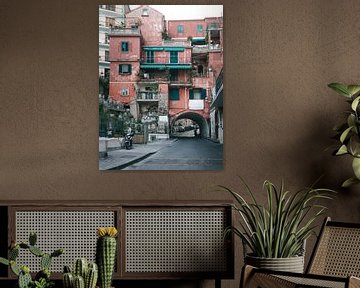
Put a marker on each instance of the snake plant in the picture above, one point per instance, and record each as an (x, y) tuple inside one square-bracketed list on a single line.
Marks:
[(279, 228)]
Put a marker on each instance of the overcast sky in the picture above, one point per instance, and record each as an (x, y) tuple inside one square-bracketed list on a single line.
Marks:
[(179, 12)]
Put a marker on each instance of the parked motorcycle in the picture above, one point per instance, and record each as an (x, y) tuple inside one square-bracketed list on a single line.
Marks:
[(129, 140)]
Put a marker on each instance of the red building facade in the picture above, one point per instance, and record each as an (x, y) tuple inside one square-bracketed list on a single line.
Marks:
[(165, 71)]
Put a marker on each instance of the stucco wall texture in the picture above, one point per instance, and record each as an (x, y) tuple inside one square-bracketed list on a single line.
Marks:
[(279, 57)]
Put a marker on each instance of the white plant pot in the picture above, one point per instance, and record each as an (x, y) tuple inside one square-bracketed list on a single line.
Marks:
[(291, 264)]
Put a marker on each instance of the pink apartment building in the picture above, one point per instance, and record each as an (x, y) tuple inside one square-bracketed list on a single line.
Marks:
[(165, 70)]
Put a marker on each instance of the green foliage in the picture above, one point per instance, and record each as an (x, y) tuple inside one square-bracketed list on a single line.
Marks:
[(279, 229), (348, 132), (42, 278)]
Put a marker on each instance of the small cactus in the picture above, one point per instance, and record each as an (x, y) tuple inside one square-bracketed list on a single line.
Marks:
[(42, 278), (106, 254), (84, 274)]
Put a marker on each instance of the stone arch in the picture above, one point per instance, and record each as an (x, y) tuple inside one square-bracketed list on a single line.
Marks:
[(197, 118)]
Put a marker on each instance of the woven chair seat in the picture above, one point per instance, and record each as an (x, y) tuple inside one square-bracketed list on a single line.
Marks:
[(335, 262)]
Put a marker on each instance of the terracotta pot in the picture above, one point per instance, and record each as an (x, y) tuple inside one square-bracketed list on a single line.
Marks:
[(291, 264)]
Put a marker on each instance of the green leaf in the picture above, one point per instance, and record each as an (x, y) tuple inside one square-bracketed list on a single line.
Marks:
[(345, 134), (356, 167), (353, 89), (4, 261), (340, 88), (355, 103), (349, 182), (342, 150)]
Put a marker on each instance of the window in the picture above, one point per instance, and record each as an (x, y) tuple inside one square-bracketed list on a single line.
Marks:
[(110, 7), (174, 94), (174, 57), (125, 69), (125, 92), (150, 57), (109, 22), (145, 12), (106, 55), (180, 28), (199, 28), (213, 25), (197, 94), (124, 46), (107, 38)]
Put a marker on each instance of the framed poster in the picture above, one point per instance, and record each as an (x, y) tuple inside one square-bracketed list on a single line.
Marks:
[(161, 87)]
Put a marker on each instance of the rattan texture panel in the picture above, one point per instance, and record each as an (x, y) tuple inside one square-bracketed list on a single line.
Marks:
[(175, 241), (312, 282), (338, 253), (75, 231)]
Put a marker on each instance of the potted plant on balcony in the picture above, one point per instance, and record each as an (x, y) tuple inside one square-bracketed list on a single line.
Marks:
[(348, 132), (274, 234)]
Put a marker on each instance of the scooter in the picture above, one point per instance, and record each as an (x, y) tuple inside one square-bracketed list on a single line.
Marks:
[(129, 141)]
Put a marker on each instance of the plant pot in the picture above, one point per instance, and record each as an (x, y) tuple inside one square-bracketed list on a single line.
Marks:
[(291, 264)]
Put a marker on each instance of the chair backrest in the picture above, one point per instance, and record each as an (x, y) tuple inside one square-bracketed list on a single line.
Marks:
[(337, 251)]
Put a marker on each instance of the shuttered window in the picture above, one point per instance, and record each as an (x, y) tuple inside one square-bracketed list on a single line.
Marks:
[(174, 94), (125, 69)]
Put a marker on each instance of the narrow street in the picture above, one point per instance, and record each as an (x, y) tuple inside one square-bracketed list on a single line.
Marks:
[(184, 154)]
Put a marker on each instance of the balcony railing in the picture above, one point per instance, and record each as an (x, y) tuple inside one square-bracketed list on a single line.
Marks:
[(166, 60), (206, 48), (147, 96), (124, 31), (220, 81)]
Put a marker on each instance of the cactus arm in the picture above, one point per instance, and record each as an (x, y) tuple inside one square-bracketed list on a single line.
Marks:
[(13, 253), (36, 251), (79, 282), (91, 276), (57, 253), (68, 280), (45, 261), (24, 280), (32, 239), (80, 267)]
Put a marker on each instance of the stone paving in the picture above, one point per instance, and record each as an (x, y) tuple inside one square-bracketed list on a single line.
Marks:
[(121, 158)]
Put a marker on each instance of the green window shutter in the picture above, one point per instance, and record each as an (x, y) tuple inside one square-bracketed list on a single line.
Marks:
[(203, 93), (174, 94), (191, 94), (120, 68), (199, 28), (180, 28), (124, 46)]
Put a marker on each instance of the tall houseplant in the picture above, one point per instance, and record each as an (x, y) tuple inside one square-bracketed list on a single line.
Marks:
[(279, 229), (348, 132)]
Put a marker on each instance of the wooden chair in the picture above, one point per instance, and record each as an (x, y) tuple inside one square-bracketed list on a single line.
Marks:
[(334, 263)]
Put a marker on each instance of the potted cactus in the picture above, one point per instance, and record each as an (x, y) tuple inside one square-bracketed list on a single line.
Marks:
[(42, 278), (106, 254), (85, 275)]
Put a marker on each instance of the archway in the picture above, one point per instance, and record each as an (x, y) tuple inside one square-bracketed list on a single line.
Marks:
[(195, 117)]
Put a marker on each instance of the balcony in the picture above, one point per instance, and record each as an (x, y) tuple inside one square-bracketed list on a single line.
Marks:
[(166, 62), (147, 96), (200, 81), (218, 97), (198, 49), (117, 31)]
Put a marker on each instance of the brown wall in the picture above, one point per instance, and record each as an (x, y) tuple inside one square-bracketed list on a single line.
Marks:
[(279, 57)]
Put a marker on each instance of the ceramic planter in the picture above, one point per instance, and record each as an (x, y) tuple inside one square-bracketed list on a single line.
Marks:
[(291, 264)]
